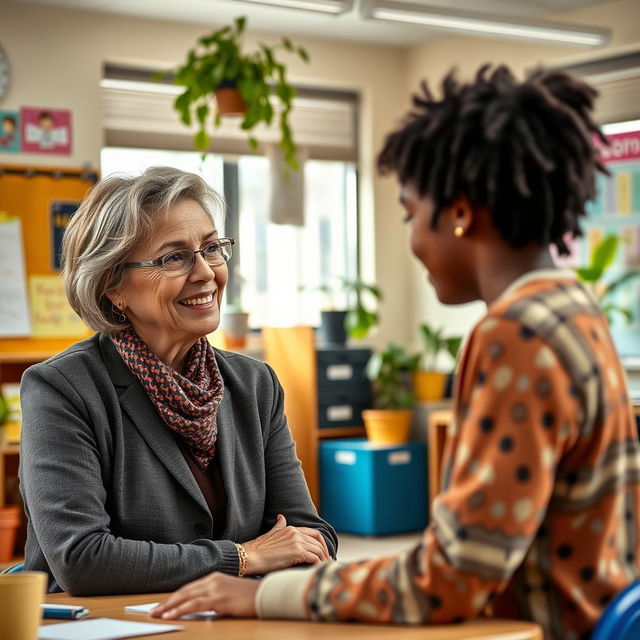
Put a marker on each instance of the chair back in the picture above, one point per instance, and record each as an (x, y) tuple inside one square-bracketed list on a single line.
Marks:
[(14, 568), (621, 618)]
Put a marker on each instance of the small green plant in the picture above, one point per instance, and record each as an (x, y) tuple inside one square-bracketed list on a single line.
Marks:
[(601, 258), (359, 320), (434, 342), (390, 371), (218, 61)]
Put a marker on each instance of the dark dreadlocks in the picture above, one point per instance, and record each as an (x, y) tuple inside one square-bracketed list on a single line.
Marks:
[(524, 151)]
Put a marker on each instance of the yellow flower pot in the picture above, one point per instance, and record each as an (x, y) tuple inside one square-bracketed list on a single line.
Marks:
[(387, 426), (429, 385)]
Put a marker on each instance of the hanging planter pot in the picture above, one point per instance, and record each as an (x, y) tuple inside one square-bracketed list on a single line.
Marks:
[(229, 101)]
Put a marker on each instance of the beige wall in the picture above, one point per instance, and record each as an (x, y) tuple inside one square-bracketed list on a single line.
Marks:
[(57, 57), (433, 60)]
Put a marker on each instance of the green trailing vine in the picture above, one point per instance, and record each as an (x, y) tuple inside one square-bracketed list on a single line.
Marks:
[(217, 61)]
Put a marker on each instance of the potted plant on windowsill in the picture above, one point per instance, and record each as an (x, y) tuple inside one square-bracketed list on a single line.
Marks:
[(220, 79), (390, 372), (429, 383), (357, 320)]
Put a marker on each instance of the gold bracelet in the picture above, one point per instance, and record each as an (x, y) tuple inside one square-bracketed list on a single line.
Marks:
[(242, 557)]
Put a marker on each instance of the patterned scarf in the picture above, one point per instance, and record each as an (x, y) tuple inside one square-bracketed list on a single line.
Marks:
[(188, 404)]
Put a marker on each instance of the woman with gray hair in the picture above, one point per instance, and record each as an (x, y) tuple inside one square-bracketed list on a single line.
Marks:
[(149, 458)]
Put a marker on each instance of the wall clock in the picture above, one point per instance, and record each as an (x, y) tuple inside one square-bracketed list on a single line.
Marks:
[(5, 74)]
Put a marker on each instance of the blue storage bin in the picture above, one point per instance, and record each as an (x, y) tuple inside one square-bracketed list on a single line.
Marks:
[(373, 489)]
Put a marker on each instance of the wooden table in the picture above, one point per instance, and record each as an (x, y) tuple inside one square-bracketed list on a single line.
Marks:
[(237, 629)]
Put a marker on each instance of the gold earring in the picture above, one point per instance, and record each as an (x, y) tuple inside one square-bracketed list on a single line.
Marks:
[(459, 232)]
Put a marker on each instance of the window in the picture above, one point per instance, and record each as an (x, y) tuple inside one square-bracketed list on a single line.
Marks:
[(276, 268), (277, 260)]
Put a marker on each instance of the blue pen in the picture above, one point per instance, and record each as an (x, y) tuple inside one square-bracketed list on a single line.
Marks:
[(64, 612)]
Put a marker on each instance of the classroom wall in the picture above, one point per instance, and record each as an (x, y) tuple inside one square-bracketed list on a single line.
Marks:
[(57, 57), (433, 60)]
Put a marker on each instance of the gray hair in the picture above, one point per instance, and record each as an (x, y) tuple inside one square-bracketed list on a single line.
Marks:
[(112, 220)]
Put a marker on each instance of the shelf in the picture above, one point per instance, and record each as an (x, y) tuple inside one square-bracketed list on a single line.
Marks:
[(10, 449), (342, 432), (27, 350)]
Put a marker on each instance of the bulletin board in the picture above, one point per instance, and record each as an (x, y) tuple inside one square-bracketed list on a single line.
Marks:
[(616, 210), (43, 199)]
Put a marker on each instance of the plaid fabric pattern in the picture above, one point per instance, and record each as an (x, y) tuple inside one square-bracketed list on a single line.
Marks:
[(188, 404)]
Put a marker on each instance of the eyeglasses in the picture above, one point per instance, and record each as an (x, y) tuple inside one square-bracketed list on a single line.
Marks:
[(177, 263)]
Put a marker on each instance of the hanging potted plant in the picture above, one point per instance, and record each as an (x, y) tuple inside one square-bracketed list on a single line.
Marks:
[(219, 79), (390, 372), (428, 382)]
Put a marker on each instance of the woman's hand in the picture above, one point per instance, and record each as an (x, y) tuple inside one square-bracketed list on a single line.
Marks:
[(284, 546), (219, 592)]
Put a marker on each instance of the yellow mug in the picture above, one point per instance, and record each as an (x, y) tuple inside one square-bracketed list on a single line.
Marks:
[(21, 595)]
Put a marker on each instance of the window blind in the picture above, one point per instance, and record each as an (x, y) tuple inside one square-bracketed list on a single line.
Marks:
[(138, 112), (617, 78)]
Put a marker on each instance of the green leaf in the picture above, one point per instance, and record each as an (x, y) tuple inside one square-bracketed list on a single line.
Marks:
[(181, 105), (604, 254), (303, 54), (253, 143), (202, 112), (615, 284), (240, 24), (287, 44), (453, 346), (587, 274), (201, 140)]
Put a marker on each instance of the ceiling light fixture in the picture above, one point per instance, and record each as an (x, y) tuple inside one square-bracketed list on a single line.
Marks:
[(484, 24), (335, 7)]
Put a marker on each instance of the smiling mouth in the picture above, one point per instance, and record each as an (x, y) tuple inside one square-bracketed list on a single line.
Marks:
[(195, 301)]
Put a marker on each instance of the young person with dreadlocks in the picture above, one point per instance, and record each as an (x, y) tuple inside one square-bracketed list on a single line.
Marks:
[(539, 513)]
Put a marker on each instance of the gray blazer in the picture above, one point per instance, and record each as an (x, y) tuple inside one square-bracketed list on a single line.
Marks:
[(111, 503)]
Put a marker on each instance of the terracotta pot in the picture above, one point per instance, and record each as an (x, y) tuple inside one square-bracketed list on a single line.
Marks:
[(9, 523), (387, 426), (429, 385), (230, 102)]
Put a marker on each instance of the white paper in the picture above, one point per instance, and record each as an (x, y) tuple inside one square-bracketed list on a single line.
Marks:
[(146, 608), (14, 309), (102, 629)]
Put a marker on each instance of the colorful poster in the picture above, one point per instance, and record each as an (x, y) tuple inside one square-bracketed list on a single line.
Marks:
[(9, 131), (51, 315), (60, 215), (46, 130), (616, 210)]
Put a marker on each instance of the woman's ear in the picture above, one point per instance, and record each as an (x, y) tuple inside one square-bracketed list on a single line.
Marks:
[(462, 216), (116, 298)]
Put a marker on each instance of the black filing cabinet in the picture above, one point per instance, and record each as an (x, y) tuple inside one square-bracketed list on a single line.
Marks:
[(343, 389)]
